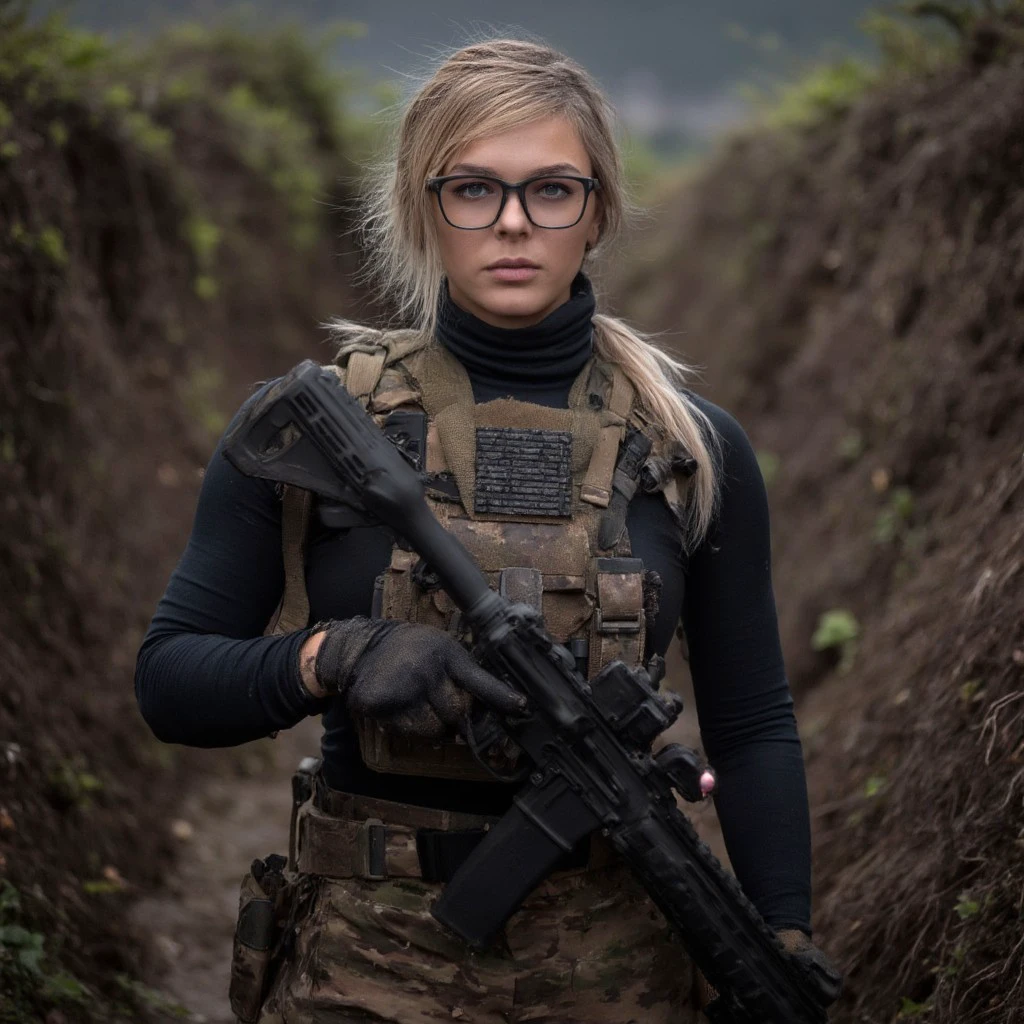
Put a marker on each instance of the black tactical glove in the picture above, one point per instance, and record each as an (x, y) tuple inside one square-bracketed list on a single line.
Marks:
[(826, 978), (824, 973), (414, 678)]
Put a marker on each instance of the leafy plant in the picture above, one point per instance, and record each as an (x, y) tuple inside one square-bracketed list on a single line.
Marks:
[(151, 997), (72, 784), (913, 38), (910, 1008), (822, 93), (893, 520), (838, 630), (875, 785), (26, 972)]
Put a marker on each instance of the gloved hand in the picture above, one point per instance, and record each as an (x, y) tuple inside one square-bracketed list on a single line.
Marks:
[(824, 972), (414, 678), (798, 944)]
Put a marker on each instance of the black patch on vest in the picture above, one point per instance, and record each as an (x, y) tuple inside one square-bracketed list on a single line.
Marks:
[(523, 472)]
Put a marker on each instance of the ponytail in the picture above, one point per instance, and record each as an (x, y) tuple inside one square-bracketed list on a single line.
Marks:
[(658, 378)]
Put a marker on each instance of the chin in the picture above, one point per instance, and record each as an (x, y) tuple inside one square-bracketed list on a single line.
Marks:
[(520, 303)]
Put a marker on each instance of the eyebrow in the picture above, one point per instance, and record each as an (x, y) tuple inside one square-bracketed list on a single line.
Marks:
[(492, 173)]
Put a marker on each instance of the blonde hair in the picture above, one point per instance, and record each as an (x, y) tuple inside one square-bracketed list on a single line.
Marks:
[(481, 90)]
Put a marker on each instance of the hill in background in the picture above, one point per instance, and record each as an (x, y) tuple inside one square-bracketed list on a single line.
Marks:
[(672, 69)]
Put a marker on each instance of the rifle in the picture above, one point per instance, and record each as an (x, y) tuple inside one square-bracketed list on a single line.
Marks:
[(588, 743)]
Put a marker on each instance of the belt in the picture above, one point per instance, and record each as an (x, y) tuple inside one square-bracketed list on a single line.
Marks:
[(345, 835)]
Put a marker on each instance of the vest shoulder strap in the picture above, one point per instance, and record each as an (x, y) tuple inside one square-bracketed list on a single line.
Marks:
[(364, 354), (617, 403), (293, 611)]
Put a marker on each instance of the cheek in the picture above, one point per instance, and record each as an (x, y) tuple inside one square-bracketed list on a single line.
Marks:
[(568, 246), (456, 247)]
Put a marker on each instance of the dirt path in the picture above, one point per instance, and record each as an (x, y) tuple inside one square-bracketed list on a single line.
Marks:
[(228, 821)]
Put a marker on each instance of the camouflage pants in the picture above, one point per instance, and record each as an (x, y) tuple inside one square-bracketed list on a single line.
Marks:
[(584, 948)]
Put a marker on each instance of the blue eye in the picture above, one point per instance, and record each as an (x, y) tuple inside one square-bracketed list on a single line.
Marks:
[(553, 189), (471, 189)]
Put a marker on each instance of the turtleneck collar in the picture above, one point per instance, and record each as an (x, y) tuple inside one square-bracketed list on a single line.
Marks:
[(537, 363)]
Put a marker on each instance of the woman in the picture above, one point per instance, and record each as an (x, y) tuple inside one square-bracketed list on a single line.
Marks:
[(506, 180)]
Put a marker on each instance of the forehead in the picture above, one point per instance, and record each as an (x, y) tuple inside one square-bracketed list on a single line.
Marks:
[(520, 151)]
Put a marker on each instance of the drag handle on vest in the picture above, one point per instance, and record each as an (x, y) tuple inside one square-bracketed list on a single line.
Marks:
[(589, 742)]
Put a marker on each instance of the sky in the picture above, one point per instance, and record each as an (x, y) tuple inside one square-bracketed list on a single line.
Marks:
[(673, 66)]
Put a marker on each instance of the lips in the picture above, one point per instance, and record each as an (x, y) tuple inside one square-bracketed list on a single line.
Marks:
[(513, 264), (511, 272)]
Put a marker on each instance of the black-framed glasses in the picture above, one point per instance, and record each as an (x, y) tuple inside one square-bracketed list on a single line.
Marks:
[(474, 201)]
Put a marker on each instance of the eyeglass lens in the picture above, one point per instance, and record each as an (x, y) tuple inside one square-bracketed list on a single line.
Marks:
[(550, 202)]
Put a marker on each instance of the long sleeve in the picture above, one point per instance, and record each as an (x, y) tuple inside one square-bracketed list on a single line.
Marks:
[(205, 676), (744, 705)]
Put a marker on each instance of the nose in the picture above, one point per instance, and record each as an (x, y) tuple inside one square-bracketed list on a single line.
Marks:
[(513, 219)]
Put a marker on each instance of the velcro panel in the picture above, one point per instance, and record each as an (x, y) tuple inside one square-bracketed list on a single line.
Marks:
[(521, 471), (522, 586)]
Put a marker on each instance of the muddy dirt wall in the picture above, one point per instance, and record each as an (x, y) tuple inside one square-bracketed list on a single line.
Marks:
[(855, 290), (167, 237)]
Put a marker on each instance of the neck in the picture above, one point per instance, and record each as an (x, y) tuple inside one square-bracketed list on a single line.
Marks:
[(537, 363)]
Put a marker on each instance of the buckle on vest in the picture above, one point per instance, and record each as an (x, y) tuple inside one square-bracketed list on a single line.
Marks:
[(616, 626), (372, 850)]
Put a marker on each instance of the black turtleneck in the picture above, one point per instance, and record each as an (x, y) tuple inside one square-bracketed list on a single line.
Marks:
[(536, 364), (207, 677)]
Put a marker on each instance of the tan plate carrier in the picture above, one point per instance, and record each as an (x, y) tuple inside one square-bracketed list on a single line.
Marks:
[(554, 563)]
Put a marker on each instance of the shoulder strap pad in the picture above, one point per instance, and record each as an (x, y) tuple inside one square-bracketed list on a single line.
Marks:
[(364, 352)]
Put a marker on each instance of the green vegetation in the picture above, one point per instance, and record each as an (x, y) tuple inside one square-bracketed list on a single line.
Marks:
[(893, 520), (48, 240), (143, 995), (909, 1008), (971, 691), (27, 972), (875, 785), (72, 785), (966, 906), (838, 630), (913, 38), (820, 94), (31, 979), (268, 96)]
